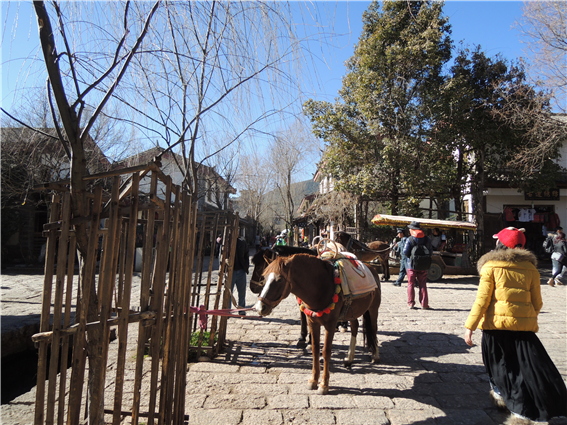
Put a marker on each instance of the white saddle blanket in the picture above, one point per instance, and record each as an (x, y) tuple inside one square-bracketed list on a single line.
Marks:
[(356, 277)]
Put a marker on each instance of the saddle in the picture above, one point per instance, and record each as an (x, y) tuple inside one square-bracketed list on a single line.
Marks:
[(356, 278)]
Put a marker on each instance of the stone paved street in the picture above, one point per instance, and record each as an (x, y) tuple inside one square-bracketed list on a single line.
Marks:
[(427, 374)]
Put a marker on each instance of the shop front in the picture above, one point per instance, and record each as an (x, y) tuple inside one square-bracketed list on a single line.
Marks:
[(537, 212)]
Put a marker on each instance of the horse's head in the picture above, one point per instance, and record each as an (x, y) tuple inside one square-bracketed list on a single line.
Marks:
[(260, 260), (276, 287), (342, 238)]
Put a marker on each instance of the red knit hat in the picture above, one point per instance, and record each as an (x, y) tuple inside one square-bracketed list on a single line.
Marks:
[(511, 237)]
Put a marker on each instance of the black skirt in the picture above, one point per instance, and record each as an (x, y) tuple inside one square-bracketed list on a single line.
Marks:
[(525, 375)]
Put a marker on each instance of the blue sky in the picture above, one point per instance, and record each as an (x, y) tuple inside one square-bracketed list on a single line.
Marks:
[(485, 23)]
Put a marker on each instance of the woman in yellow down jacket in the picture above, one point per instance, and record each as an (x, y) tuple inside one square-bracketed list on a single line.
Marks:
[(523, 378)]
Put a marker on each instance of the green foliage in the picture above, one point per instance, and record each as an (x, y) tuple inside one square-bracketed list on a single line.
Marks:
[(403, 130), (194, 341), (377, 133)]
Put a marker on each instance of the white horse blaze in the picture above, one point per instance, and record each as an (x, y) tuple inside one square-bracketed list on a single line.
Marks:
[(271, 277)]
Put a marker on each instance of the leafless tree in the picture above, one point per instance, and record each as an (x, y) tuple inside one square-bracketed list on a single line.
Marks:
[(543, 27), (80, 84), (218, 70), (542, 132), (180, 70), (335, 207), (290, 152), (224, 160), (254, 180)]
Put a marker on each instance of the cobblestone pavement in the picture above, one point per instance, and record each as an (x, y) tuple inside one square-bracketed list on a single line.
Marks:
[(426, 375)]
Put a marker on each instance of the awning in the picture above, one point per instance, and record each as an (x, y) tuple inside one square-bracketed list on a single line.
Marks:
[(400, 220)]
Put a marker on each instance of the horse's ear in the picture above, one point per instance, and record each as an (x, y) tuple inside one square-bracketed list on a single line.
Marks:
[(269, 255)]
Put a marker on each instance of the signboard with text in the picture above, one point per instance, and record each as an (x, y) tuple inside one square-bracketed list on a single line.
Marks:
[(542, 195)]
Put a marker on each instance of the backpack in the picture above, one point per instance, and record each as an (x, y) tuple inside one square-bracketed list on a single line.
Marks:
[(420, 257), (548, 244)]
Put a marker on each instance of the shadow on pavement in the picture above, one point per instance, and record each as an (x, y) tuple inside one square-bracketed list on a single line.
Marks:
[(417, 369)]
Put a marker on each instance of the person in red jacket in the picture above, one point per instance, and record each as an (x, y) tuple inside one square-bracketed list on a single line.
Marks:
[(522, 376), (416, 269)]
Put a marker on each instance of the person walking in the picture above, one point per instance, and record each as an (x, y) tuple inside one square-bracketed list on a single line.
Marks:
[(399, 250), (218, 246), (240, 270), (418, 251), (522, 376), (558, 258)]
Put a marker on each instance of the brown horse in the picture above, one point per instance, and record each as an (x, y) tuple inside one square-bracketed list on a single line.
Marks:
[(264, 257), (313, 281), (367, 253)]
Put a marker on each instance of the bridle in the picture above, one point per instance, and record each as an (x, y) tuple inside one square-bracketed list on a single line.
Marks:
[(259, 282), (285, 293)]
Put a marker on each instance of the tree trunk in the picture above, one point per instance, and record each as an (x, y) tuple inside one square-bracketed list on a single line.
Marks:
[(78, 195), (478, 204)]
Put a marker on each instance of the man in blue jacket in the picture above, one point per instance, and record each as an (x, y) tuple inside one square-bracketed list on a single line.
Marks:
[(399, 250), (418, 251)]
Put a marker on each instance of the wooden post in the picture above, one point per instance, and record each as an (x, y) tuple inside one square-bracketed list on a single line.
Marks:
[(125, 301), (144, 298), (58, 306), (106, 283), (79, 340), (66, 323), (45, 312), (160, 271), (169, 349), (233, 229)]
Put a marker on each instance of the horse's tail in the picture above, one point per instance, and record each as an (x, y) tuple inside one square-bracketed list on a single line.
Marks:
[(370, 334)]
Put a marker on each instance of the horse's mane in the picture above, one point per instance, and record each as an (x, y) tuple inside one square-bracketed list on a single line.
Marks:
[(278, 264), (349, 240), (281, 251), (275, 266), (356, 244), (286, 251)]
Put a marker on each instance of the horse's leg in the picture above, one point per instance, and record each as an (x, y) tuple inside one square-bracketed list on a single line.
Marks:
[(352, 347), (329, 334), (370, 323), (302, 343), (315, 331), (385, 266)]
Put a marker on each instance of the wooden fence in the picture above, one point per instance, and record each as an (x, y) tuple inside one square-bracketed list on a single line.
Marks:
[(145, 321)]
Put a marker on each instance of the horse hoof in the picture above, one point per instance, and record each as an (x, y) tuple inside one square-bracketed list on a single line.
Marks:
[(376, 359), (323, 390), (348, 365), (301, 344), (312, 385)]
